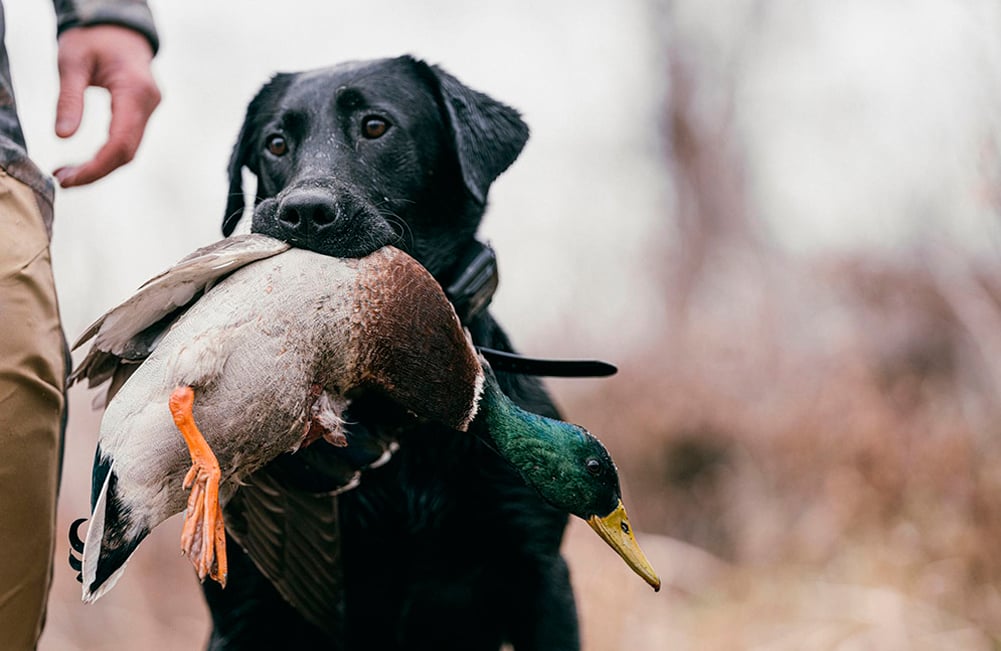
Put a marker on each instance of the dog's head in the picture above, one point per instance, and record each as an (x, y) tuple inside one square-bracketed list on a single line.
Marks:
[(354, 157)]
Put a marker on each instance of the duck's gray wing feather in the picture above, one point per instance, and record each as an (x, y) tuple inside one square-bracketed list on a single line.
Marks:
[(293, 537), (129, 332), (285, 516)]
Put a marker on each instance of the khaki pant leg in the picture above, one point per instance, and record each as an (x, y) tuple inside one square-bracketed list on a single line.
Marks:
[(32, 371)]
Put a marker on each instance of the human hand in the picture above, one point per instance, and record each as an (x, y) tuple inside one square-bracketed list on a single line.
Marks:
[(115, 58)]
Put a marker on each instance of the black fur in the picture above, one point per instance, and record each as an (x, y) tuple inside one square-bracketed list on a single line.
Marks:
[(421, 186), (445, 547)]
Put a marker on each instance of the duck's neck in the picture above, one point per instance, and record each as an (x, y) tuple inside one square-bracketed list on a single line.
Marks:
[(521, 437)]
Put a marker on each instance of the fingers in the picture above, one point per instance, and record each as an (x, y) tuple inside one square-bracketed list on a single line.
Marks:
[(130, 111), (117, 59), (73, 80)]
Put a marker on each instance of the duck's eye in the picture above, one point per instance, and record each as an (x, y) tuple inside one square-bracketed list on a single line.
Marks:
[(372, 127), (276, 145), (593, 466)]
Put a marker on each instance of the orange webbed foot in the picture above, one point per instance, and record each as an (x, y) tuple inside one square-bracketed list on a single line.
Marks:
[(203, 538)]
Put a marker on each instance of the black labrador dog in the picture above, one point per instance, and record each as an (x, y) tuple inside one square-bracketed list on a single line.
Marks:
[(444, 546)]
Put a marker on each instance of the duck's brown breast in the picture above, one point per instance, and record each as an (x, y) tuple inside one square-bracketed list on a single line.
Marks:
[(409, 343)]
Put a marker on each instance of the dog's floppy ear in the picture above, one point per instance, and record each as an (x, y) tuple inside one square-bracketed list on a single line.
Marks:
[(245, 150), (488, 135)]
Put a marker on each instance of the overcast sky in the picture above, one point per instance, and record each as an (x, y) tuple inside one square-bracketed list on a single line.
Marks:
[(566, 219), (863, 125)]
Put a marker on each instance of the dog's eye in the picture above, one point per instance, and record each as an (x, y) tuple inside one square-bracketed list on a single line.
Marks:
[(277, 145), (373, 127)]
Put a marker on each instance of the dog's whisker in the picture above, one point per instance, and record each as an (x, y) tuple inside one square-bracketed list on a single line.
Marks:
[(400, 227), (388, 200)]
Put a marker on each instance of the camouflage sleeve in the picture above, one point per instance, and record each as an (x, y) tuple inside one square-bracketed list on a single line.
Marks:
[(134, 14)]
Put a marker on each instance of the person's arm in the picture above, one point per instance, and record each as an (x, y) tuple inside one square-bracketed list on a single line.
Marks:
[(109, 44)]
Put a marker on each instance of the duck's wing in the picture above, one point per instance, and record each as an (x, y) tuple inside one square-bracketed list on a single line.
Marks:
[(128, 333), (293, 537), (285, 516)]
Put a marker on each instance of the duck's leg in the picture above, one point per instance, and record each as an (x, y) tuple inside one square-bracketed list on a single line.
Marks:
[(203, 538)]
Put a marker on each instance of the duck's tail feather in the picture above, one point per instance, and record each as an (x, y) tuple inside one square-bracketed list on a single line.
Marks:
[(112, 537), (98, 476)]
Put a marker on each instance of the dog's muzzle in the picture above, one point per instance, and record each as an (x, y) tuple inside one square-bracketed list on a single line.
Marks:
[(323, 219)]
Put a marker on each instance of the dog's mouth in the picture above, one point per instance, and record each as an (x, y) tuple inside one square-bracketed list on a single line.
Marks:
[(337, 224)]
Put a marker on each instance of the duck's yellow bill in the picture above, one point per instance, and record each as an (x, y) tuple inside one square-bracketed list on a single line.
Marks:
[(614, 529)]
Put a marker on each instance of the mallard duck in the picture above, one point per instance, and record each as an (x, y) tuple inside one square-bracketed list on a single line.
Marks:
[(266, 346)]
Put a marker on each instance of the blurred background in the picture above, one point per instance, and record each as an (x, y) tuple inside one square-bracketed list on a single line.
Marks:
[(781, 220)]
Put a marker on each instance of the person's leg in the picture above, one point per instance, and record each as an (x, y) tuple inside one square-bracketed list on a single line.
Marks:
[(32, 372)]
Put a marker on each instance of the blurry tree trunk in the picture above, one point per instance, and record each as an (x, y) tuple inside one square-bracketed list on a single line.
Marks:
[(711, 207), (722, 275), (716, 233)]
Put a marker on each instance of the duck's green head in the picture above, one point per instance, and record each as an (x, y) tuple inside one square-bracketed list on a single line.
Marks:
[(569, 468)]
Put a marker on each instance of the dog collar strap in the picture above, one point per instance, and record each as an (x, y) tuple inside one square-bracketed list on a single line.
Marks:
[(514, 363), (471, 285), (470, 288)]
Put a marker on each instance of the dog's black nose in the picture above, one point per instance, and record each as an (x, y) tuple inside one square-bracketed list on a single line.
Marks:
[(328, 220), (306, 212)]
